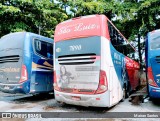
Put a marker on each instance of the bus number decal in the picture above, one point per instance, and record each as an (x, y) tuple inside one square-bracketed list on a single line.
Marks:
[(158, 80), (75, 47)]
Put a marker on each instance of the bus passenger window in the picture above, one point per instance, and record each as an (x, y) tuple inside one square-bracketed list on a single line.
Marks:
[(38, 45), (50, 51)]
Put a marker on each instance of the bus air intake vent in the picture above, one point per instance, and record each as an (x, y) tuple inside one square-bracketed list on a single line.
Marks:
[(7, 59), (77, 59), (158, 59)]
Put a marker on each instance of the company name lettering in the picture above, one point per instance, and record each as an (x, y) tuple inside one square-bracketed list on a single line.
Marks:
[(77, 27), (10, 69)]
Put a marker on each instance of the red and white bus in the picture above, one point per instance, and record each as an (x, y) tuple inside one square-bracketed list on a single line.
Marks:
[(93, 65)]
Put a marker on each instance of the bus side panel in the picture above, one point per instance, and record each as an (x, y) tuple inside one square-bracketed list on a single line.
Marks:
[(117, 65), (42, 74), (133, 73), (42, 80), (27, 55), (113, 74), (153, 64)]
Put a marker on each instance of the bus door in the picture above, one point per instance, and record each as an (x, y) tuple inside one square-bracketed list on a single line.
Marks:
[(42, 67)]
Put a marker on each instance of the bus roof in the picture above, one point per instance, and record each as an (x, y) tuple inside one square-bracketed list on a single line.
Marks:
[(23, 34), (82, 26)]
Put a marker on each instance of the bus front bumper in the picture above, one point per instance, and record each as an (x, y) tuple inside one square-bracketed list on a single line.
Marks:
[(97, 100), (154, 92)]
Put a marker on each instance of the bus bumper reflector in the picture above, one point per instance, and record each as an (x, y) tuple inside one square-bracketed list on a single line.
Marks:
[(98, 99)]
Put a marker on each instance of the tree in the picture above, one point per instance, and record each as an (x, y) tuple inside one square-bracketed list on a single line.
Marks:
[(38, 16), (77, 8)]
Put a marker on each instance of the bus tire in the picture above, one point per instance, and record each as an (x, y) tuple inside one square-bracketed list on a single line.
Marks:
[(60, 103), (128, 91), (124, 94)]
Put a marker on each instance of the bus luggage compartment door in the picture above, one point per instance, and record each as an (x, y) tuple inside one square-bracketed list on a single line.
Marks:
[(42, 79)]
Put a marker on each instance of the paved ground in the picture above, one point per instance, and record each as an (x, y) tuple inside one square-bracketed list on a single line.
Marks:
[(12, 103)]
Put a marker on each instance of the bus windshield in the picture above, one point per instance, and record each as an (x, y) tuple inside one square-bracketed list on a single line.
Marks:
[(155, 41)]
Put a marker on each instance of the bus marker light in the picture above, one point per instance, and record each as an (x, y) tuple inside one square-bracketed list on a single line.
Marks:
[(19, 86), (98, 99), (151, 78), (103, 87), (36, 83), (76, 18), (24, 74), (32, 91), (103, 83), (6, 87), (154, 90)]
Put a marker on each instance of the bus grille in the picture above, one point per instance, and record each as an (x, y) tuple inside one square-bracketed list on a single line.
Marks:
[(66, 89), (158, 59), (78, 91), (85, 90), (77, 59), (6, 59)]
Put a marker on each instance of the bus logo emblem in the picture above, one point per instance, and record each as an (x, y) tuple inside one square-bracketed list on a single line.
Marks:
[(75, 47), (58, 50)]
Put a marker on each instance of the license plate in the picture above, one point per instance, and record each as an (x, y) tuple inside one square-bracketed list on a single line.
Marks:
[(6, 87), (76, 98)]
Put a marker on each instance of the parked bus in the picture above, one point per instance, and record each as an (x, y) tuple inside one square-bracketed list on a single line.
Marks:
[(92, 63), (152, 52), (26, 63)]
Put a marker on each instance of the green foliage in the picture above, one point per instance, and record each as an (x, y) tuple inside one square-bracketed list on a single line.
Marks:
[(130, 16), (38, 16)]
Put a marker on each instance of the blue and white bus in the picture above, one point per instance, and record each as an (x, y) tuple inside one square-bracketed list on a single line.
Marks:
[(94, 63), (152, 54), (26, 63)]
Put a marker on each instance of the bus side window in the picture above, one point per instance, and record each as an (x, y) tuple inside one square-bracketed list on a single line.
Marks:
[(119, 43), (38, 45), (40, 48), (132, 56), (50, 51)]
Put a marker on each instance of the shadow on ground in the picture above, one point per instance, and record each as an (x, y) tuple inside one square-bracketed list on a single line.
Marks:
[(84, 109), (156, 102), (26, 98)]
